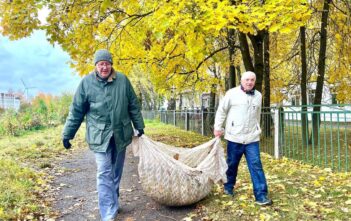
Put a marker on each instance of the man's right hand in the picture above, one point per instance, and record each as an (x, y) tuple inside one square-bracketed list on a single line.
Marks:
[(217, 133), (66, 143)]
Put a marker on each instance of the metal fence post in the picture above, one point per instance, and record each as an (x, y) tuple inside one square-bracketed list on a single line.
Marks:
[(202, 123), (174, 118), (276, 133), (166, 117), (187, 120)]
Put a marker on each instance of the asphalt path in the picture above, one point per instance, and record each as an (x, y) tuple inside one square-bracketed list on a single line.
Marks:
[(75, 195)]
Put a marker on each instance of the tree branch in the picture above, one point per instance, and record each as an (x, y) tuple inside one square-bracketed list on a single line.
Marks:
[(203, 61)]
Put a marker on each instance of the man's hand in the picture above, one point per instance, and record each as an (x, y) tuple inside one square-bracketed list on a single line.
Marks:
[(140, 132), (217, 133), (66, 143)]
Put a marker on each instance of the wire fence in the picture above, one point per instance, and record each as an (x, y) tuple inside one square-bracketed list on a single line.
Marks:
[(319, 138)]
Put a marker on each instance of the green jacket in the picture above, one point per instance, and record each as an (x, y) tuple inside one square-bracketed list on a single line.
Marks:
[(109, 106)]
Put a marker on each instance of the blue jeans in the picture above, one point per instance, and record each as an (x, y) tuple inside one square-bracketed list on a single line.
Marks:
[(109, 173), (252, 154)]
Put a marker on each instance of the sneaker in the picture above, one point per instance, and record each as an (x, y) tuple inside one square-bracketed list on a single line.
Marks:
[(264, 202), (228, 192)]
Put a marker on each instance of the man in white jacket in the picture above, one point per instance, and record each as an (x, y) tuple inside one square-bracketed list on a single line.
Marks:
[(240, 109)]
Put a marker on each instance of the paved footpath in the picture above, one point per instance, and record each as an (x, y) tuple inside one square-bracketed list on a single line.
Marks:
[(76, 196)]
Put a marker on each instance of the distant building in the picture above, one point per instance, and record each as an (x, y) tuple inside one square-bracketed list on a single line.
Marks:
[(9, 101), (294, 95), (191, 100), (330, 110)]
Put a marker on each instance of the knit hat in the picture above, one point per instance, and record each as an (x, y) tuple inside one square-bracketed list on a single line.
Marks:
[(102, 55)]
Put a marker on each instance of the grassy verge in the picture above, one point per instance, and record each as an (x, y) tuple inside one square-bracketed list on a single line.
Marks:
[(299, 191), (172, 135), (26, 164)]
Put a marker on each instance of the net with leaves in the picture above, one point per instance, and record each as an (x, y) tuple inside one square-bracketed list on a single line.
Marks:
[(177, 176)]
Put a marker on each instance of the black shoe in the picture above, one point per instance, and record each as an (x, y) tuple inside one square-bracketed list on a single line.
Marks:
[(264, 202)]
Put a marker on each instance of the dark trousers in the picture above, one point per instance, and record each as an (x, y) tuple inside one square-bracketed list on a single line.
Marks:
[(252, 154)]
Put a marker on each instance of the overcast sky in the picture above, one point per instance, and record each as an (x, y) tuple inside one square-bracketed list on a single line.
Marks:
[(38, 64)]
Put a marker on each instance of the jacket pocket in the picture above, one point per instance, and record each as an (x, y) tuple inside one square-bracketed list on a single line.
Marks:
[(94, 133), (127, 129), (258, 130), (235, 128)]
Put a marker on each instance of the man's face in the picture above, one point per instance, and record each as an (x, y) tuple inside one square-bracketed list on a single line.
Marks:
[(248, 82), (104, 68)]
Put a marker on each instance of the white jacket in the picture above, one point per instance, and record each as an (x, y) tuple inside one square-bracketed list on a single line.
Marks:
[(242, 114)]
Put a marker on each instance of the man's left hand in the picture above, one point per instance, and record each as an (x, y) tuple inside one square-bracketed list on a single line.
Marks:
[(140, 132)]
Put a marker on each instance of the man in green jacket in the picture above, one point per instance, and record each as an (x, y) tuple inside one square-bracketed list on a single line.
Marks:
[(107, 99)]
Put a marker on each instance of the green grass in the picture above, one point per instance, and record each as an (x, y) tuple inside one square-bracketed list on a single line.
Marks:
[(332, 150), (23, 175), (16, 185), (180, 138)]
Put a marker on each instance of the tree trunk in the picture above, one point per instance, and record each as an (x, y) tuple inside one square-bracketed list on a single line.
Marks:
[(172, 104), (154, 102), (267, 119), (266, 76), (321, 71), (210, 116), (212, 106), (231, 43), (140, 98), (180, 107), (245, 52), (238, 73), (303, 85), (257, 44)]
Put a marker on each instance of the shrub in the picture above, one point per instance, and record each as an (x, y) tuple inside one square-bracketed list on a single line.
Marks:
[(10, 123), (44, 111)]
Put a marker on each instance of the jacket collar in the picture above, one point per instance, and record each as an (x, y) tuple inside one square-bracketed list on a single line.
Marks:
[(250, 92), (111, 78)]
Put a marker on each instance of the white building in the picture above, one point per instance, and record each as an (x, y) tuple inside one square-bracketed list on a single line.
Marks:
[(331, 110), (294, 95), (9, 101)]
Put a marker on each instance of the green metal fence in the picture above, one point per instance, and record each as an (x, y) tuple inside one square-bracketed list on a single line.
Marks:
[(321, 138)]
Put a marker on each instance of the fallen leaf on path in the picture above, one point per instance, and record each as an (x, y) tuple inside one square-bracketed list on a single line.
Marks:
[(176, 156)]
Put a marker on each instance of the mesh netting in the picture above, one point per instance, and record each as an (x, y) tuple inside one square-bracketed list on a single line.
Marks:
[(179, 176)]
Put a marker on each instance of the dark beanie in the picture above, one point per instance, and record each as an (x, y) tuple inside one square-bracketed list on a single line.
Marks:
[(102, 55)]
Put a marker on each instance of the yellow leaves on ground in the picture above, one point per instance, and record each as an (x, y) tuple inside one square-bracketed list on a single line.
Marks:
[(265, 217), (299, 192)]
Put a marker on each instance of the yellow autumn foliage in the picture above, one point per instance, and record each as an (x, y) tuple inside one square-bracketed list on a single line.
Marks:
[(180, 41)]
